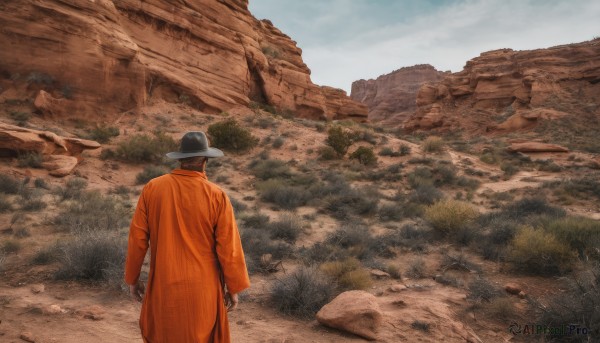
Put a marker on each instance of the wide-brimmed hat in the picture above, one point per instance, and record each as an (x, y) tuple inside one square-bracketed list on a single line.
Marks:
[(194, 144)]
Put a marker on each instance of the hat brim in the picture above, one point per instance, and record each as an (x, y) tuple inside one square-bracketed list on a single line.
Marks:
[(210, 152)]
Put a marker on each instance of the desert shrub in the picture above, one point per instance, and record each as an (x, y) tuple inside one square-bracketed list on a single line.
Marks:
[(257, 243), (448, 216), (93, 211), (322, 252), (500, 231), (433, 144), (394, 271), (20, 117), (386, 151), (582, 234), (481, 289), (30, 160), (5, 203), (269, 169), (40, 183), (356, 240), (144, 148), (348, 274), (103, 134), (255, 220), (11, 246), (278, 143), (426, 194), (467, 182), (420, 325), (509, 169), (500, 308), (404, 150), (409, 236), (47, 255), (283, 195), (579, 305), (532, 206), (9, 184), (90, 255), (326, 153), (584, 187), (339, 140), (535, 251), (287, 228), (416, 269), (347, 201), (33, 205), (365, 156), (391, 212), (302, 293), (420, 176), (229, 135), (149, 173), (73, 189)]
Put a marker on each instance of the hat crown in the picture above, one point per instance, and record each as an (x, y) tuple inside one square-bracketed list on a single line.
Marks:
[(194, 141)]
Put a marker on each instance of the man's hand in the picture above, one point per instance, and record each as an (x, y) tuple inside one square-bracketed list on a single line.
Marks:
[(231, 301), (137, 291)]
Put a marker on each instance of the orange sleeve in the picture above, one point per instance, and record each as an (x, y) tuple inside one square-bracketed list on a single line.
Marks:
[(138, 242), (229, 248)]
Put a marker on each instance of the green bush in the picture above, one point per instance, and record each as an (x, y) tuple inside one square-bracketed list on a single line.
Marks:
[(103, 134), (482, 290), (283, 195), (404, 150), (433, 144), (5, 203), (144, 148), (278, 143), (365, 156), (448, 216), (149, 173), (302, 293), (339, 140), (255, 220), (72, 190), (425, 194), (538, 252), (11, 246), (229, 135)]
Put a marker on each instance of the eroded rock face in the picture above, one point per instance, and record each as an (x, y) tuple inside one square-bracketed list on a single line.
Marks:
[(96, 58), (60, 154), (393, 96), (536, 147), (353, 311), (505, 90)]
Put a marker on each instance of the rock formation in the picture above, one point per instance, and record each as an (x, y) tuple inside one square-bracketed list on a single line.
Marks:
[(393, 96), (91, 59), (509, 90), (60, 154)]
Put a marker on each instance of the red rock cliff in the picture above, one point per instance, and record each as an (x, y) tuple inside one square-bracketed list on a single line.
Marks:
[(393, 96), (96, 58), (511, 90)]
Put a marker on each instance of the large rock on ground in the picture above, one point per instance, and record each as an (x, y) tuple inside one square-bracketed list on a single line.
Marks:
[(536, 147), (353, 311)]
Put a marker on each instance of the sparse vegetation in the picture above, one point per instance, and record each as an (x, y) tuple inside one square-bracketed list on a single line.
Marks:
[(9, 184), (302, 293), (348, 274), (149, 173), (145, 148), (93, 211), (230, 136), (287, 228), (433, 144), (537, 252), (103, 134)]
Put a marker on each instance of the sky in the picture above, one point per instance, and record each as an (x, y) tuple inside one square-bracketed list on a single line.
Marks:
[(347, 40)]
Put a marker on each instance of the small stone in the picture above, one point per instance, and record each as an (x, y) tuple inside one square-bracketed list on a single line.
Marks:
[(379, 274), (522, 295), (53, 309), (397, 288), (93, 312), (512, 288), (38, 288), (27, 337), (399, 303)]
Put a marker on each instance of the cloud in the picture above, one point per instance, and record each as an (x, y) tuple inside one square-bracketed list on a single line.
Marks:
[(346, 40)]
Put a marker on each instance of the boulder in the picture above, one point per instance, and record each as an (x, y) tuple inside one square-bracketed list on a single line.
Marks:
[(512, 288), (60, 165), (536, 147), (356, 312)]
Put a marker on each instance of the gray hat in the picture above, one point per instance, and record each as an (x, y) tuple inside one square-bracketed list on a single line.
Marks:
[(194, 144)]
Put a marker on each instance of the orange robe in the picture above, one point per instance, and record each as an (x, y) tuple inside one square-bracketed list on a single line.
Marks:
[(194, 242)]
